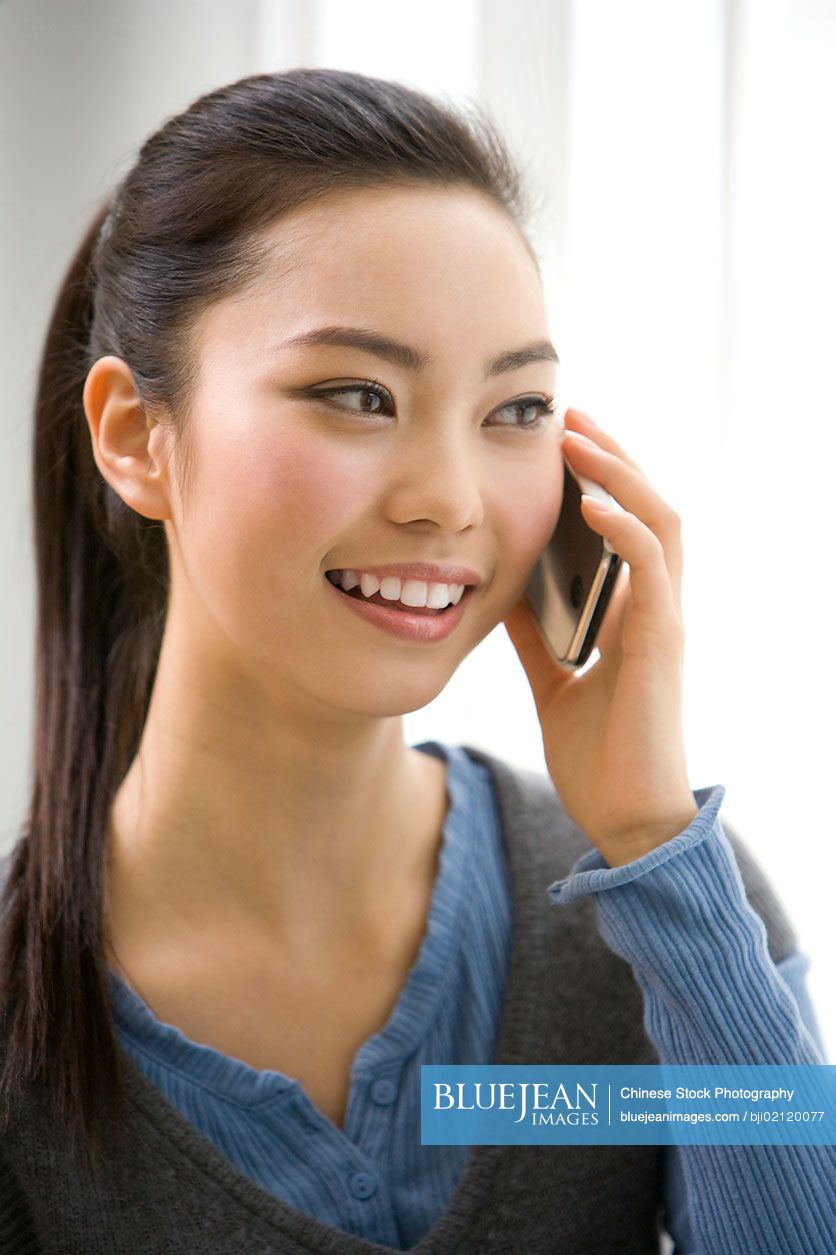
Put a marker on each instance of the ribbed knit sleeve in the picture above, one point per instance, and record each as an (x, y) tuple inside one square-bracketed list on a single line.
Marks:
[(712, 994)]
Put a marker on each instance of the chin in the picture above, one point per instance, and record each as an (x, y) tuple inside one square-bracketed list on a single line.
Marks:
[(389, 694)]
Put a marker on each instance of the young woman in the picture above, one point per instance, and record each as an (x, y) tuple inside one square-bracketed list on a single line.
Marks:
[(296, 454)]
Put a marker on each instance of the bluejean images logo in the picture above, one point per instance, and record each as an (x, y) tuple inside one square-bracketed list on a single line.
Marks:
[(629, 1104), (543, 1103)]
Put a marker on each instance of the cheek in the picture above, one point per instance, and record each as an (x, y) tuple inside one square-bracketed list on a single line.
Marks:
[(527, 512), (302, 490), (290, 492), (265, 512)]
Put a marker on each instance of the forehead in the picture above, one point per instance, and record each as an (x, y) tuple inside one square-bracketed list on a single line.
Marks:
[(427, 265), (396, 227)]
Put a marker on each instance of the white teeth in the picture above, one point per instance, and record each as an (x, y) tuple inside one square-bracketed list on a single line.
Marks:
[(438, 596), (390, 588), (414, 593), (409, 592)]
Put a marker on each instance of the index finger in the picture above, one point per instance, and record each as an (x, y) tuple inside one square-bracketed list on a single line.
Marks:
[(577, 419)]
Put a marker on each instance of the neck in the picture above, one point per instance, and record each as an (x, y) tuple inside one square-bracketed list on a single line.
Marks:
[(238, 827)]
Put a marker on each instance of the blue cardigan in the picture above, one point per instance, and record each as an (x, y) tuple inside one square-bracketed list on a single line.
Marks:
[(373, 1178)]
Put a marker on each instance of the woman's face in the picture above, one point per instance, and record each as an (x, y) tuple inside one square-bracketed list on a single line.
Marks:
[(446, 466)]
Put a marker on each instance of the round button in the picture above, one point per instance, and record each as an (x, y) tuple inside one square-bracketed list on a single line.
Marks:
[(362, 1184), (384, 1091)]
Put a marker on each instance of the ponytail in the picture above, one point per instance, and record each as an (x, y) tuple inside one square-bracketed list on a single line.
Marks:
[(96, 650)]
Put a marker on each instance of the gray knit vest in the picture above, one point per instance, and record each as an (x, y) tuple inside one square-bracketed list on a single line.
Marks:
[(569, 999)]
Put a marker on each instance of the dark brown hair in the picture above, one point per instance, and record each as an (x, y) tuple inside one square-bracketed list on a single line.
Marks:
[(181, 230)]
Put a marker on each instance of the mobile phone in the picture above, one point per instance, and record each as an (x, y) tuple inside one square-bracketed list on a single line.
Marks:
[(571, 585)]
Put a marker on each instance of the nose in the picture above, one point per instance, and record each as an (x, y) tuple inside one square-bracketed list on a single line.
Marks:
[(436, 478)]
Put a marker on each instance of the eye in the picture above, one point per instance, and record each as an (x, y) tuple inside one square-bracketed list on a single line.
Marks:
[(382, 398), (543, 408)]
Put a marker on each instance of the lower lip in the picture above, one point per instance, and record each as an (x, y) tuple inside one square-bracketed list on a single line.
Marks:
[(425, 628)]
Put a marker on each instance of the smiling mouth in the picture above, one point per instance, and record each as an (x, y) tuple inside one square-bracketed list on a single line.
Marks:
[(378, 600)]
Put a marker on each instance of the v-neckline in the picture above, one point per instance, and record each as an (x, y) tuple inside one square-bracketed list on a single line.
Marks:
[(239, 1082), (515, 1046)]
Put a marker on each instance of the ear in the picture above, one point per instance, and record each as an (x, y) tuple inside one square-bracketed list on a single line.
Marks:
[(129, 446)]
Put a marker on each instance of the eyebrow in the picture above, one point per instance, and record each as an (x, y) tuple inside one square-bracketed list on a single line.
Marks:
[(411, 359)]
